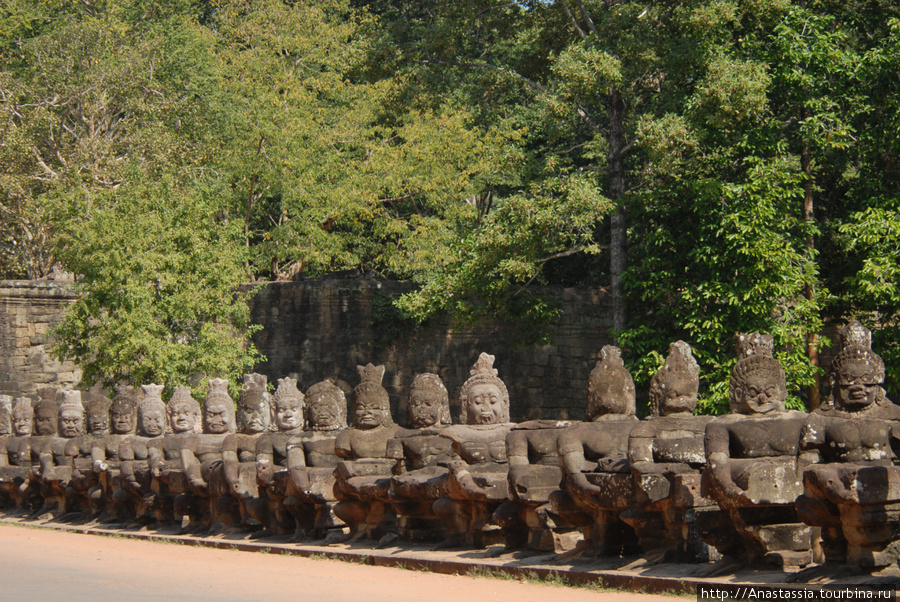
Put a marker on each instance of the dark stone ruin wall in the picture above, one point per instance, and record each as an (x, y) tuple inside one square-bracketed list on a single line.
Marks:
[(314, 330), (28, 310)]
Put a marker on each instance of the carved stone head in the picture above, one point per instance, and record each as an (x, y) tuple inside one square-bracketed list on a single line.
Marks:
[(371, 405), (23, 417), (71, 415), (218, 409), (5, 414), (122, 413), (255, 405), (97, 412), (152, 412), (326, 407), (183, 411), (674, 388), (483, 398), (429, 402), (289, 405), (757, 383), (610, 386), (857, 372)]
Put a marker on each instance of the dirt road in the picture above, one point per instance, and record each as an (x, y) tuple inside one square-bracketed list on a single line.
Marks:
[(39, 564)]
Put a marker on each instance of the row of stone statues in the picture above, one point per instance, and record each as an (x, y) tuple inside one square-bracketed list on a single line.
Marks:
[(760, 484)]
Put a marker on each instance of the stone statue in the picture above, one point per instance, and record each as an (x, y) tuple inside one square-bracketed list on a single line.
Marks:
[(311, 460), (853, 493), (5, 415), (476, 483), (174, 459), (79, 451), (16, 456), (755, 466), (106, 462), (239, 455), (416, 483), (667, 456), (5, 432), (136, 497), (272, 460), (597, 479), (56, 464), (363, 475)]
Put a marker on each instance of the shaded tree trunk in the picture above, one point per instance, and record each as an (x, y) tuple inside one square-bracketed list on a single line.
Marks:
[(618, 250), (812, 342)]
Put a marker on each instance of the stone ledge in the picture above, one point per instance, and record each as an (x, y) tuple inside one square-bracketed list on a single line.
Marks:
[(681, 579)]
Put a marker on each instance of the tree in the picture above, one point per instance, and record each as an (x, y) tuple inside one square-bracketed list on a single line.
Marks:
[(158, 283)]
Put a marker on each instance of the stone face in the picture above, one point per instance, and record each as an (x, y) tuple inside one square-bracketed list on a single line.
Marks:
[(476, 483), (666, 455), (754, 464), (852, 490)]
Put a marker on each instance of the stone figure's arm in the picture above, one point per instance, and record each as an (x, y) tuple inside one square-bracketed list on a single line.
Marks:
[(4, 452), (192, 469), (517, 455), (156, 458), (572, 461), (459, 471), (718, 461), (230, 460), (342, 446), (46, 456), (895, 439), (296, 462), (98, 456), (265, 461), (640, 451), (395, 454)]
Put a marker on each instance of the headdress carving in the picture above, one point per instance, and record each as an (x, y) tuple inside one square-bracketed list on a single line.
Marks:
[(483, 372), (431, 384), (326, 392), (182, 396), (253, 395), (371, 389), (218, 395), (755, 356)]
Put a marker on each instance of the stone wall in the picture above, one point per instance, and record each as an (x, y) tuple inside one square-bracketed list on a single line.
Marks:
[(323, 329), (27, 312)]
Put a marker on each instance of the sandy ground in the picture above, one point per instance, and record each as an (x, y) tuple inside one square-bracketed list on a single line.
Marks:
[(39, 564)]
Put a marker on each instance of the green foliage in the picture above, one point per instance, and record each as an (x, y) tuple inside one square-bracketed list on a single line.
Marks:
[(158, 278)]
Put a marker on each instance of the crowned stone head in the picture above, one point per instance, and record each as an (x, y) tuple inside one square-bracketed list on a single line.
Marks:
[(483, 398), (757, 383)]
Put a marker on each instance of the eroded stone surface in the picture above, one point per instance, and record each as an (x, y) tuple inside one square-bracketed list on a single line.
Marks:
[(754, 464), (597, 479), (476, 483), (666, 455), (851, 493)]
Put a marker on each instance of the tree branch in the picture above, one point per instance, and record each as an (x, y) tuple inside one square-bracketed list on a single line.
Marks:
[(572, 20), (587, 17)]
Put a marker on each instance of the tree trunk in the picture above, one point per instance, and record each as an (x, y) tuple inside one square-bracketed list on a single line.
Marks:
[(812, 346), (618, 250)]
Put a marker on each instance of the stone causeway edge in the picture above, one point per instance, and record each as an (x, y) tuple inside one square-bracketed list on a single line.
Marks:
[(677, 579)]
